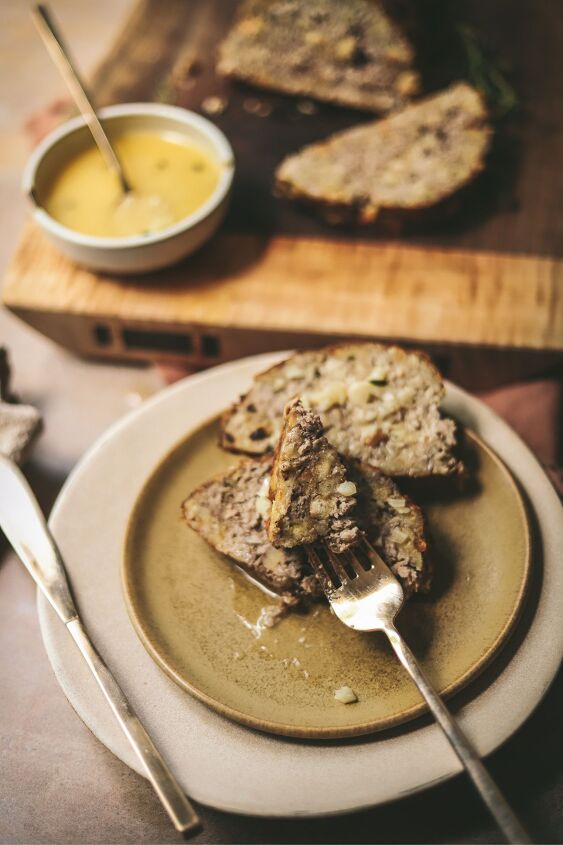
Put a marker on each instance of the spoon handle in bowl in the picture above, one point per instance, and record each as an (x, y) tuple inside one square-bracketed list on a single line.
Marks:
[(61, 58)]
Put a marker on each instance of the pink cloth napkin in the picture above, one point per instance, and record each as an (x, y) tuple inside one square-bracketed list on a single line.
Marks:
[(534, 410)]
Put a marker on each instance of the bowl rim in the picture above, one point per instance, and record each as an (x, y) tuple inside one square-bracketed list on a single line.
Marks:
[(225, 156)]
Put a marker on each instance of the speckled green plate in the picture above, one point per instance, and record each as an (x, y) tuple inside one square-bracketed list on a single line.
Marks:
[(197, 614)]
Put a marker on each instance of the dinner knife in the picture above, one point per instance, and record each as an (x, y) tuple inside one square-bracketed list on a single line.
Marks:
[(24, 525)]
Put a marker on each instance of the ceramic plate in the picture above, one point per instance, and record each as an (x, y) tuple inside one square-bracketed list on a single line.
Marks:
[(199, 616), (224, 764)]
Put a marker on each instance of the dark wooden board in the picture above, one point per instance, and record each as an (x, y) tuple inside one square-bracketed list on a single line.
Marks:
[(483, 293), (516, 206)]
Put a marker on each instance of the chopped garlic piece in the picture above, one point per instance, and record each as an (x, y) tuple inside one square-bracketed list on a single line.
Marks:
[(294, 372), (317, 507), (378, 374), (405, 394), (331, 364), (360, 392), (333, 394), (370, 413), (345, 695), (397, 502), (388, 407), (265, 487), (347, 488), (263, 506), (369, 432), (272, 558)]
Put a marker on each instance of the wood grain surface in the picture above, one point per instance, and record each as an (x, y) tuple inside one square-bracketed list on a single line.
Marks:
[(491, 276)]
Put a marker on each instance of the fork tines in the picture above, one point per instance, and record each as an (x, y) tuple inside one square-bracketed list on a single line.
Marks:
[(335, 570)]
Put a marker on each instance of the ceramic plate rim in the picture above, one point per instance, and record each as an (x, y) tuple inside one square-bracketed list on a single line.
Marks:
[(426, 749), (328, 732)]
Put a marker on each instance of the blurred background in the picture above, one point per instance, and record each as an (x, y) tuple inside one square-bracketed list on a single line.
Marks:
[(33, 98)]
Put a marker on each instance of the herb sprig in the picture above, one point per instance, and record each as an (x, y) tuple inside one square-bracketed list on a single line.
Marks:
[(484, 73)]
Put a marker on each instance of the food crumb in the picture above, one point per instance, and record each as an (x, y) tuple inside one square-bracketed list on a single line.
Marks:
[(214, 105), (261, 108), (345, 695), (188, 67), (307, 107), (133, 399), (270, 615)]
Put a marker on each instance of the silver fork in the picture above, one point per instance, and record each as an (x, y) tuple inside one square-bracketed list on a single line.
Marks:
[(366, 596)]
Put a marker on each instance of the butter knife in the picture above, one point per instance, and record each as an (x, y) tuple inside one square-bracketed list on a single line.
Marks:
[(23, 524)]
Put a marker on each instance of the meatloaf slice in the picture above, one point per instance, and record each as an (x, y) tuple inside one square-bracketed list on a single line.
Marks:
[(399, 166), (311, 493), (378, 404), (230, 512), (352, 53)]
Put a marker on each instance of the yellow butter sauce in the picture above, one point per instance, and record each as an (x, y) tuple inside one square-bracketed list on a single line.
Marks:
[(170, 179)]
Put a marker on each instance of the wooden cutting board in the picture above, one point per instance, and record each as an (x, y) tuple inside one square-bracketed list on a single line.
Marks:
[(482, 291)]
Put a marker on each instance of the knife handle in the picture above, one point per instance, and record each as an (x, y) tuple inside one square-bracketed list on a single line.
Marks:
[(165, 785), (24, 525)]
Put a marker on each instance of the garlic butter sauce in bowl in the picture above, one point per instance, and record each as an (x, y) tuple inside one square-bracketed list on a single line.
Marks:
[(177, 161)]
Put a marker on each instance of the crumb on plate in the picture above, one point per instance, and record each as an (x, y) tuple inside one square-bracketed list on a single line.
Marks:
[(345, 695)]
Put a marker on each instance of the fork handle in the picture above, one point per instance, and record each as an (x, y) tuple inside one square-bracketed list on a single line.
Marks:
[(485, 785)]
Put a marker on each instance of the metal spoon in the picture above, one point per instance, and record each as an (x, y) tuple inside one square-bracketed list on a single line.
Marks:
[(135, 212), (53, 42)]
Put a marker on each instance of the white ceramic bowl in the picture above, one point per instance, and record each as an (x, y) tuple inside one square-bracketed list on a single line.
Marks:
[(139, 253)]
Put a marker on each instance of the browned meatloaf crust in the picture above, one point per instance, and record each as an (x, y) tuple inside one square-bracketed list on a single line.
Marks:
[(311, 494)]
